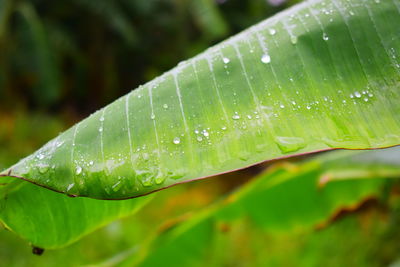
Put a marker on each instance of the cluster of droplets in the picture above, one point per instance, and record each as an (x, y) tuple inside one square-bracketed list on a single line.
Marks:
[(364, 95)]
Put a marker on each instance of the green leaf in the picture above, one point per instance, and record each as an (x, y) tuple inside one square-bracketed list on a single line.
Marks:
[(51, 220), (321, 75), (287, 199)]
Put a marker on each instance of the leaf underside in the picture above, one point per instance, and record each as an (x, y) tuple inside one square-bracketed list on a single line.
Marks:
[(51, 220), (321, 75)]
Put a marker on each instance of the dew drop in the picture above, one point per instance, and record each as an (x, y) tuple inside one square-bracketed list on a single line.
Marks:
[(177, 140), (70, 186), (308, 107), (357, 94), (272, 31), (40, 156), (116, 186), (290, 144), (199, 138), (91, 163), (43, 168), (236, 117), (366, 99), (325, 37), (78, 170), (101, 118), (265, 59), (165, 106), (226, 60), (205, 133), (152, 116), (293, 39), (282, 106), (147, 182), (223, 128), (100, 129), (159, 179)]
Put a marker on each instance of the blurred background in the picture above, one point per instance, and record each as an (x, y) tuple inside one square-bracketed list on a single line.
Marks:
[(62, 60)]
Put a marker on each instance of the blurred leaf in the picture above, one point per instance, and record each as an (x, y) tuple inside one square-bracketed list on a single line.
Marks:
[(48, 88), (209, 18), (111, 13), (6, 8), (50, 220), (287, 199)]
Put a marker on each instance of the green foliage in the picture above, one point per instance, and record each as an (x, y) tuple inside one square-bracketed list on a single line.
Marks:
[(240, 103), (288, 198), (322, 75)]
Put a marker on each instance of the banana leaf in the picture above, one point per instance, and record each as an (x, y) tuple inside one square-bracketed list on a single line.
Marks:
[(321, 75)]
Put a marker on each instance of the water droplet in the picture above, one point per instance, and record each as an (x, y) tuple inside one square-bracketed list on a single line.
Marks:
[(357, 94), (366, 99), (40, 156), (272, 31), (290, 144), (199, 138), (236, 116), (223, 128), (308, 107), (226, 60), (177, 140), (70, 186), (101, 118), (282, 106), (147, 182), (165, 106), (351, 13), (293, 39), (152, 116), (78, 170), (370, 95), (325, 37), (249, 117), (116, 186), (100, 129), (205, 133), (43, 168), (91, 163), (265, 59), (351, 96)]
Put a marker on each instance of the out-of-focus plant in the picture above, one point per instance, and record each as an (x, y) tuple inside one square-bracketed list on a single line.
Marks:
[(85, 53)]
